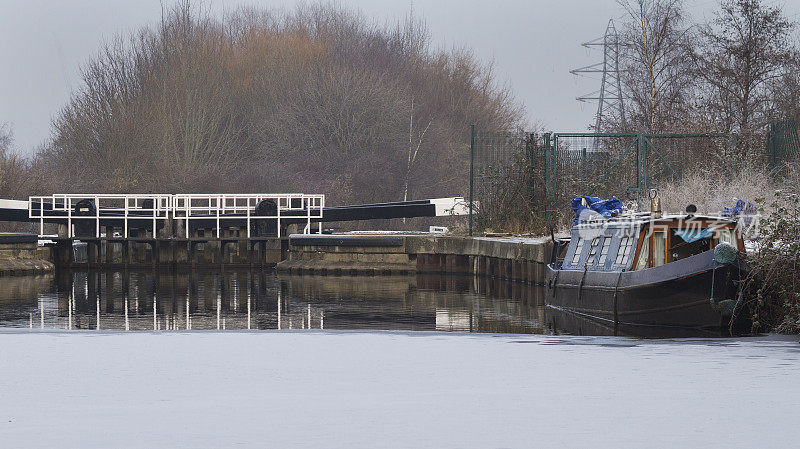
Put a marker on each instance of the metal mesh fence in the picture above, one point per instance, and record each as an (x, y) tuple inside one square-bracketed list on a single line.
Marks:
[(783, 145), (501, 165), (522, 182), (622, 165)]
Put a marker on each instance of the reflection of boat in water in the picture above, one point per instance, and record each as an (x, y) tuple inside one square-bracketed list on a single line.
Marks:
[(650, 276), (566, 321)]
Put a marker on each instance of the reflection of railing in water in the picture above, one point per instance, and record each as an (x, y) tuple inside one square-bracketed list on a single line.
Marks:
[(146, 304), (254, 300)]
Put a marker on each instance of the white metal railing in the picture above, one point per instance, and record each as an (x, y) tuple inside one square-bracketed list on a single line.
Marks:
[(119, 206), (189, 207), (186, 207)]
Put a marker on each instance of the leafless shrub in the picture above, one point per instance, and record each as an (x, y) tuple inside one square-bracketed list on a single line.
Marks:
[(773, 283), (711, 193), (505, 199)]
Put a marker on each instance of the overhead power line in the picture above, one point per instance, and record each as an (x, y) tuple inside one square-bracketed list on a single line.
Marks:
[(609, 96)]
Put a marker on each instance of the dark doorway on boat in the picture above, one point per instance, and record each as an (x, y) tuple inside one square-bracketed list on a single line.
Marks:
[(683, 244)]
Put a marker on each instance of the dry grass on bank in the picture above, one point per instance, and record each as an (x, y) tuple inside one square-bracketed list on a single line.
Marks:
[(712, 193)]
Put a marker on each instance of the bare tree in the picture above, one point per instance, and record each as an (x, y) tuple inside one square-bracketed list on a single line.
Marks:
[(315, 99), (785, 93), (6, 139), (414, 144), (655, 64), (18, 178), (741, 53)]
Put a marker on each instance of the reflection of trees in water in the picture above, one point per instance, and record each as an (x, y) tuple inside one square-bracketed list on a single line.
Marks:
[(243, 299), (20, 297)]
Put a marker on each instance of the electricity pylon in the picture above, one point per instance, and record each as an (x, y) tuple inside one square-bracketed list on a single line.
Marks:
[(609, 97)]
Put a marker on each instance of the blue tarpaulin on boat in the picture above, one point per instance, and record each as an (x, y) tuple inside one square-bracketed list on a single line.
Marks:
[(606, 208), (741, 208), (693, 235)]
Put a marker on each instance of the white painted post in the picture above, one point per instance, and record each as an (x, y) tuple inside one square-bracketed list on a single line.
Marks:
[(155, 208), (41, 214), (127, 321), (69, 217), (321, 319), (309, 316), (97, 327), (321, 207), (248, 217), (218, 207), (41, 314), (186, 208), (219, 308), (155, 316), (279, 310), (97, 215)]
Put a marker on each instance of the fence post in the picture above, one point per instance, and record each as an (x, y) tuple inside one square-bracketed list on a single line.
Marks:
[(644, 142), (639, 169), (471, 173), (549, 193), (531, 147)]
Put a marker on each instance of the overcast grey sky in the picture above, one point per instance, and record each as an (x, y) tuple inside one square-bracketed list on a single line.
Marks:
[(533, 44)]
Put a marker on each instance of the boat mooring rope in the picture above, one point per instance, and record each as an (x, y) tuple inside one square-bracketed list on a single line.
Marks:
[(726, 254)]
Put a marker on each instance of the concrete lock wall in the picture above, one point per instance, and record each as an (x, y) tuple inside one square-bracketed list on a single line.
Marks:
[(513, 258), (517, 259), (20, 254)]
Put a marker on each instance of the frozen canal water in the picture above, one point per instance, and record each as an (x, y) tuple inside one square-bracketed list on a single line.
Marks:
[(393, 389), (373, 370)]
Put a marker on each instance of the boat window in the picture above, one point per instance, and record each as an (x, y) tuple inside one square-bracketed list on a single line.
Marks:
[(604, 250), (659, 248), (578, 250), (593, 249), (624, 253), (728, 236), (687, 242), (644, 254)]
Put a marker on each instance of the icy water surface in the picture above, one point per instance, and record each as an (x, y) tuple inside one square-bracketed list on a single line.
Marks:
[(179, 300), (346, 389)]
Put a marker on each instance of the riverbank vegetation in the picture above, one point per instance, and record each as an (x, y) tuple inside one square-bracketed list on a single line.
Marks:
[(773, 286)]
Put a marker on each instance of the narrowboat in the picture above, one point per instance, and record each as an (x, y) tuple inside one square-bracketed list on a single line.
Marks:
[(649, 274)]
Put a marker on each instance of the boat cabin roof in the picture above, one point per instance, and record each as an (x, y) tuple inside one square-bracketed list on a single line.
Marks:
[(646, 218), (639, 241)]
